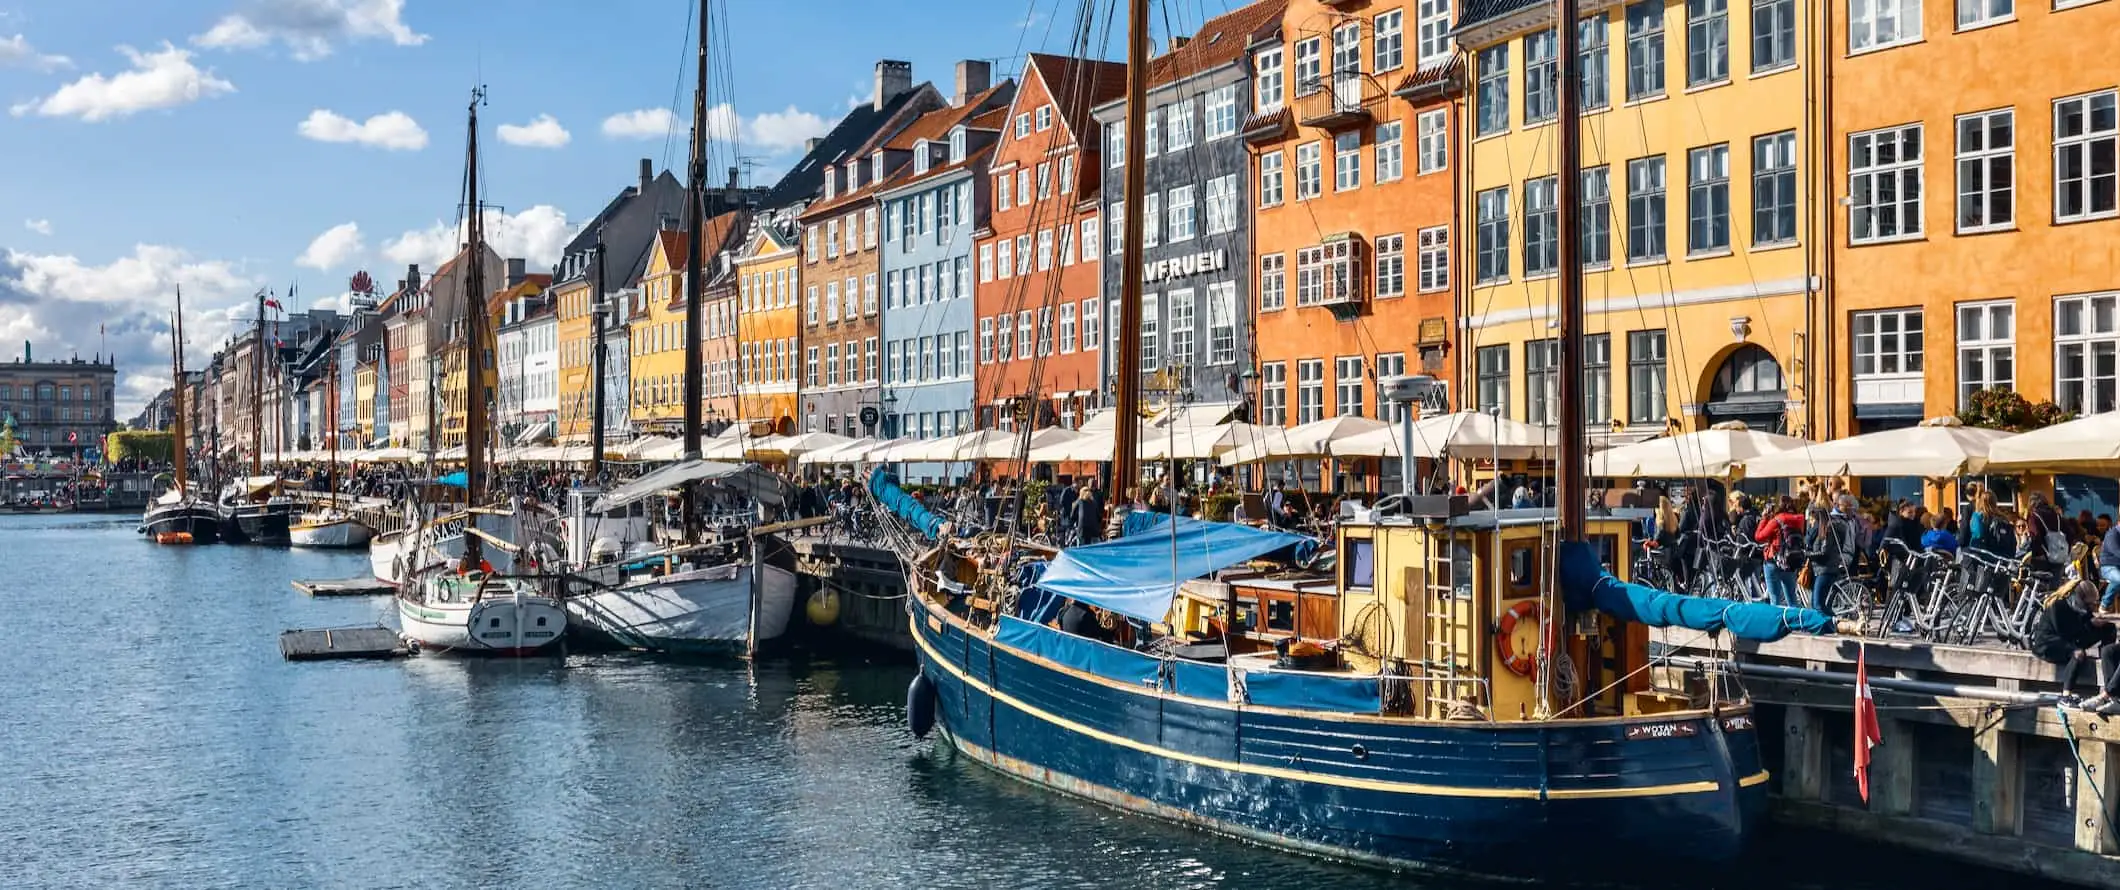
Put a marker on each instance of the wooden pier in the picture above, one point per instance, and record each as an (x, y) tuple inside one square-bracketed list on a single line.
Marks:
[(339, 643), (867, 580), (344, 587)]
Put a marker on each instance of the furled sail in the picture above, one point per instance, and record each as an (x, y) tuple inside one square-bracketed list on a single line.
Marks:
[(1585, 584), (904, 505)]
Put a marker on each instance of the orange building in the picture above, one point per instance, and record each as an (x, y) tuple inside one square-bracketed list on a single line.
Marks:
[(768, 325), (1973, 243), (1354, 182), (1037, 299)]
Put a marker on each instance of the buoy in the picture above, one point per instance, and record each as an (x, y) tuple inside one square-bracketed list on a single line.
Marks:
[(823, 607), (920, 706)]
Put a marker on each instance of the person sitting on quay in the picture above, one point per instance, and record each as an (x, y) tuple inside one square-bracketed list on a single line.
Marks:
[(2070, 633), (2109, 568)]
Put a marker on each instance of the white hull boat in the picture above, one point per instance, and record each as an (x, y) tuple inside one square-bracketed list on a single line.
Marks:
[(332, 530), (394, 557), (701, 611), (470, 615)]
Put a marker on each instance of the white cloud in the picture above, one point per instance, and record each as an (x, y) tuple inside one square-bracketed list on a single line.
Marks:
[(537, 234), (59, 302), (309, 28), (393, 130), (541, 132), (15, 52), (164, 79), (332, 249), (784, 130), (646, 123), (39, 226)]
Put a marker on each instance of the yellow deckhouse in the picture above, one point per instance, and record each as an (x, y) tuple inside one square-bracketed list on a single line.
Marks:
[(1699, 235)]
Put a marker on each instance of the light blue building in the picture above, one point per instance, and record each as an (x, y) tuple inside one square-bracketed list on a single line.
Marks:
[(932, 205)]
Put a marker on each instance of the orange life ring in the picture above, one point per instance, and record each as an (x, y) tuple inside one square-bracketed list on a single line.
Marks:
[(1518, 663)]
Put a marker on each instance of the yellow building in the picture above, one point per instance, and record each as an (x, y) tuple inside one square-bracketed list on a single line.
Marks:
[(768, 325), (1699, 233), (364, 401), (453, 363), (658, 329)]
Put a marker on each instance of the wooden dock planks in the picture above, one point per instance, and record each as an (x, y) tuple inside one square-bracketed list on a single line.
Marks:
[(344, 587), (334, 643)]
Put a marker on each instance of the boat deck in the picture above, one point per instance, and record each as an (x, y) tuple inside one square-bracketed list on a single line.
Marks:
[(337, 643), (344, 587)]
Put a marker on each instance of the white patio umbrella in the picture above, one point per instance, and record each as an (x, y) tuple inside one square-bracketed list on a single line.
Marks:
[(1082, 446), (846, 452), (1940, 447), (638, 448), (1159, 442), (1465, 434), (1311, 440), (2084, 445), (1718, 452)]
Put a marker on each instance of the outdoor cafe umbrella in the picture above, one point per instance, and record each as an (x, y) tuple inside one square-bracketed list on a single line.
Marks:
[(1939, 448), (1715, 453), (1311, 440), (2084, 445)]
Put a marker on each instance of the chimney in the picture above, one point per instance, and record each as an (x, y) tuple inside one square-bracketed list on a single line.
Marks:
[(892, 77), (647, 174), (810, 145), (412, 276), (973, 77), (517, 270)]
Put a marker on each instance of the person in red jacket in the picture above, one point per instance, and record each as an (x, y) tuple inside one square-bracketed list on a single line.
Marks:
[(1783, 535)]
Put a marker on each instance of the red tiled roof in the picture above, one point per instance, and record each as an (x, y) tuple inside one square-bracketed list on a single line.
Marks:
[(1220, 40), (1078, 85)]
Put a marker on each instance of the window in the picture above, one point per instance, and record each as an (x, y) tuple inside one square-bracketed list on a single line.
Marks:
[(1888, 343), (1151, 334), (1391, 265), (1045, 251), (1045, 331), (1645, 49), (964, 353), (1266, 74), (1023, 125), (868, 294), (2085, 136), (1884, 184), (1646, 367), (1090, 311), (1708, 199), (1089, 240), (1310, 180), (1434, 149), (986, 263), (1987, 348), (831, 239), (1390, 151), (1067, 177), (1347, 386), (1005, 337), (1273, 394), (1273, 281), (1308, 66), (1004, 258), (1388, 33), (1067, 244), (986, 340), (930, 360), (1151, 134), (1491, 366), (1067, 328), (831, 303), (1492, 256), (1774, 34), (868, 228), (1542, 244), (1593, 62), (1645, 209), (1114, 144), (1708, 41), (1986, 170), (1542, 397), (1974, 13), (1270, 178), (1493, 108), (1389, 365), (1222, 323), (1024, 343), (1597, 379), (852, 364), (1045, 118), (1541, 88), (1434, 272), (1346, 160), (1432, 19), (1181, 126), (1181, 214), (809, 243), (1774, 189), (809, 305), (1597, 216), (1001, 192), (1222, 204), (2087, 353), (1310, 390), (1221, 113), (1183, 311), (1873, 24), (831, 364), (1117, 217), (1326, 273)]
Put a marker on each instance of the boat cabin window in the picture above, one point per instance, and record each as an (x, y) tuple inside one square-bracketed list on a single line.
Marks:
[(1360, 564), (1607, 547), (1461, 573), (1522, 559), (1281, 615)]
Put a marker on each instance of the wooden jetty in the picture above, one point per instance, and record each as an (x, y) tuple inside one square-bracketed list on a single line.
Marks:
[(344, 587), (334, 643)]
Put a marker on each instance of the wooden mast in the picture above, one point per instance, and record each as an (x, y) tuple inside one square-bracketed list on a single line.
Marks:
[(694, 221), (1126, 389), (1569, 492), (257, 393), (474, 336), (331, 398), (176, 390)]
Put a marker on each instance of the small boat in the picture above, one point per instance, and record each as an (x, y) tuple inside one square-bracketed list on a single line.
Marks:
[(329, 528), (475, 613), (257, 511), (180, 515), (395, 557)]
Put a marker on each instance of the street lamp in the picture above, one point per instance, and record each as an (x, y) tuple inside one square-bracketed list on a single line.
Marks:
[(890, 414)]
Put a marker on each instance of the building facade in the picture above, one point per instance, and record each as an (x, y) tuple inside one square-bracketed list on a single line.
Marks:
[(606, 258), (63, 408), (768, 326)]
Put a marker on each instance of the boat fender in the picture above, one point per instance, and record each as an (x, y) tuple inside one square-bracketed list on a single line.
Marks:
[(1518, 663), (920, 706)]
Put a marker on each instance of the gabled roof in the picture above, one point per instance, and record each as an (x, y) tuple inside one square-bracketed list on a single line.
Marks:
[(1220, 40), (861, 125), (1077, 86), (935, 126), (627, 225)]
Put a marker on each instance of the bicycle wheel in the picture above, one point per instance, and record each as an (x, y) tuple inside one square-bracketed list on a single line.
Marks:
[(1896, 612), (1844, 599)]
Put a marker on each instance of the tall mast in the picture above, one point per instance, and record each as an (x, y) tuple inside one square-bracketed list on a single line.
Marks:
[(176, 388), (1570, 493), (474, 335), (257, 393), (1126, 390), (597, 312), (331, 415), (694, 222)]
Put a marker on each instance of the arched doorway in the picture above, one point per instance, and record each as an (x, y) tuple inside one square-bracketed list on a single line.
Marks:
[(1748, 386)]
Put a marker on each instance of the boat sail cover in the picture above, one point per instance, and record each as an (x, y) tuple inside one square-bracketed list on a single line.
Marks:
[(1585, 584), (1138, 575), (904, 505), (756, 483)]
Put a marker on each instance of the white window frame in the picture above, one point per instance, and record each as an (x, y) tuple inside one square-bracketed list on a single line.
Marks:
[(1310, 170), (1434, 270), (1432, 20), (1220, 117), (1092, 313), (1434, 129), (1270, 90), (1222, 323), (1092, 236), (1309, 65), (1310, 390), (1273, 282), (1390, 266), (2084, 144), (1222, 204), (1347, 161), (1273, 394), (1390, 151), (1387, 31), (1980, 343), (1348, 399), (1271, 178), (1977, 154), (1067, 328), (1882, 24), (1178, 131), (1885, 346), (1180, 214), (1182, 343), (1865, 174), (2087, 325)]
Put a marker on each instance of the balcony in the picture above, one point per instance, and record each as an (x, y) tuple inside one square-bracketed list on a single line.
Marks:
[(1342, 101)]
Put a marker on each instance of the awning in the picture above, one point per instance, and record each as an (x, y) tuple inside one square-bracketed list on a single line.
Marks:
[(1136, 576), (760, 485), (532, 433)]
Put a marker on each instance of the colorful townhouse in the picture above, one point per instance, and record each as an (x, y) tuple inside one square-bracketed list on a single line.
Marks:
[(1974, 219), (1196, 308), (1699, 237), (933, 199), (656, 340), (1038, 300), (768, 319), (625, 229)]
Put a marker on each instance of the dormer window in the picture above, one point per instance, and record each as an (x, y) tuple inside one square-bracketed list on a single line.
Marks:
[(920, 157), (831, 183), (957, 144), (853, 175), (876, 170)]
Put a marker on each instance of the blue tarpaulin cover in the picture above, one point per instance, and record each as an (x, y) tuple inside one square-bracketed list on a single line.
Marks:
[(1090, 656), (1314, 692), (1586, 585), (903, 505), (457, 479), (1138, 576)]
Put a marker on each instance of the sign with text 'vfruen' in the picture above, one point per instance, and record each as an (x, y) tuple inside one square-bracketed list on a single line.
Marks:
[(1184, 266)]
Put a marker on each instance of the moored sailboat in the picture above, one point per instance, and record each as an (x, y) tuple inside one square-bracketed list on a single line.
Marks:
[(180, 515), (327, 525)]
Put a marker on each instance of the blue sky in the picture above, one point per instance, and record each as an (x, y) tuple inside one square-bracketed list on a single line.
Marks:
[(256, 143)]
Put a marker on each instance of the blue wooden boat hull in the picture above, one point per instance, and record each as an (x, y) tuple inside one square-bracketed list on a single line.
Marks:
[(1562, 798)]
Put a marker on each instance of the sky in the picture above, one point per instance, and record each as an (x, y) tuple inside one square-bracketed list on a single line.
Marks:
[(230, 145)]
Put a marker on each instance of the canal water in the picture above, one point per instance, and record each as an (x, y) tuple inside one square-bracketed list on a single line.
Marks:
[(150, 736)]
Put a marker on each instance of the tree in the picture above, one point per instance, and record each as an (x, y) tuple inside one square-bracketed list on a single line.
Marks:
[(2004, 409)]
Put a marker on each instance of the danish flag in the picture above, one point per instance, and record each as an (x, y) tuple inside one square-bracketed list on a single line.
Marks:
[(1867, 734)]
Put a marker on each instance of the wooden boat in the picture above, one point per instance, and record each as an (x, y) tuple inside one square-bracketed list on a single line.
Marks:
[(329, 528), (180, 515)]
